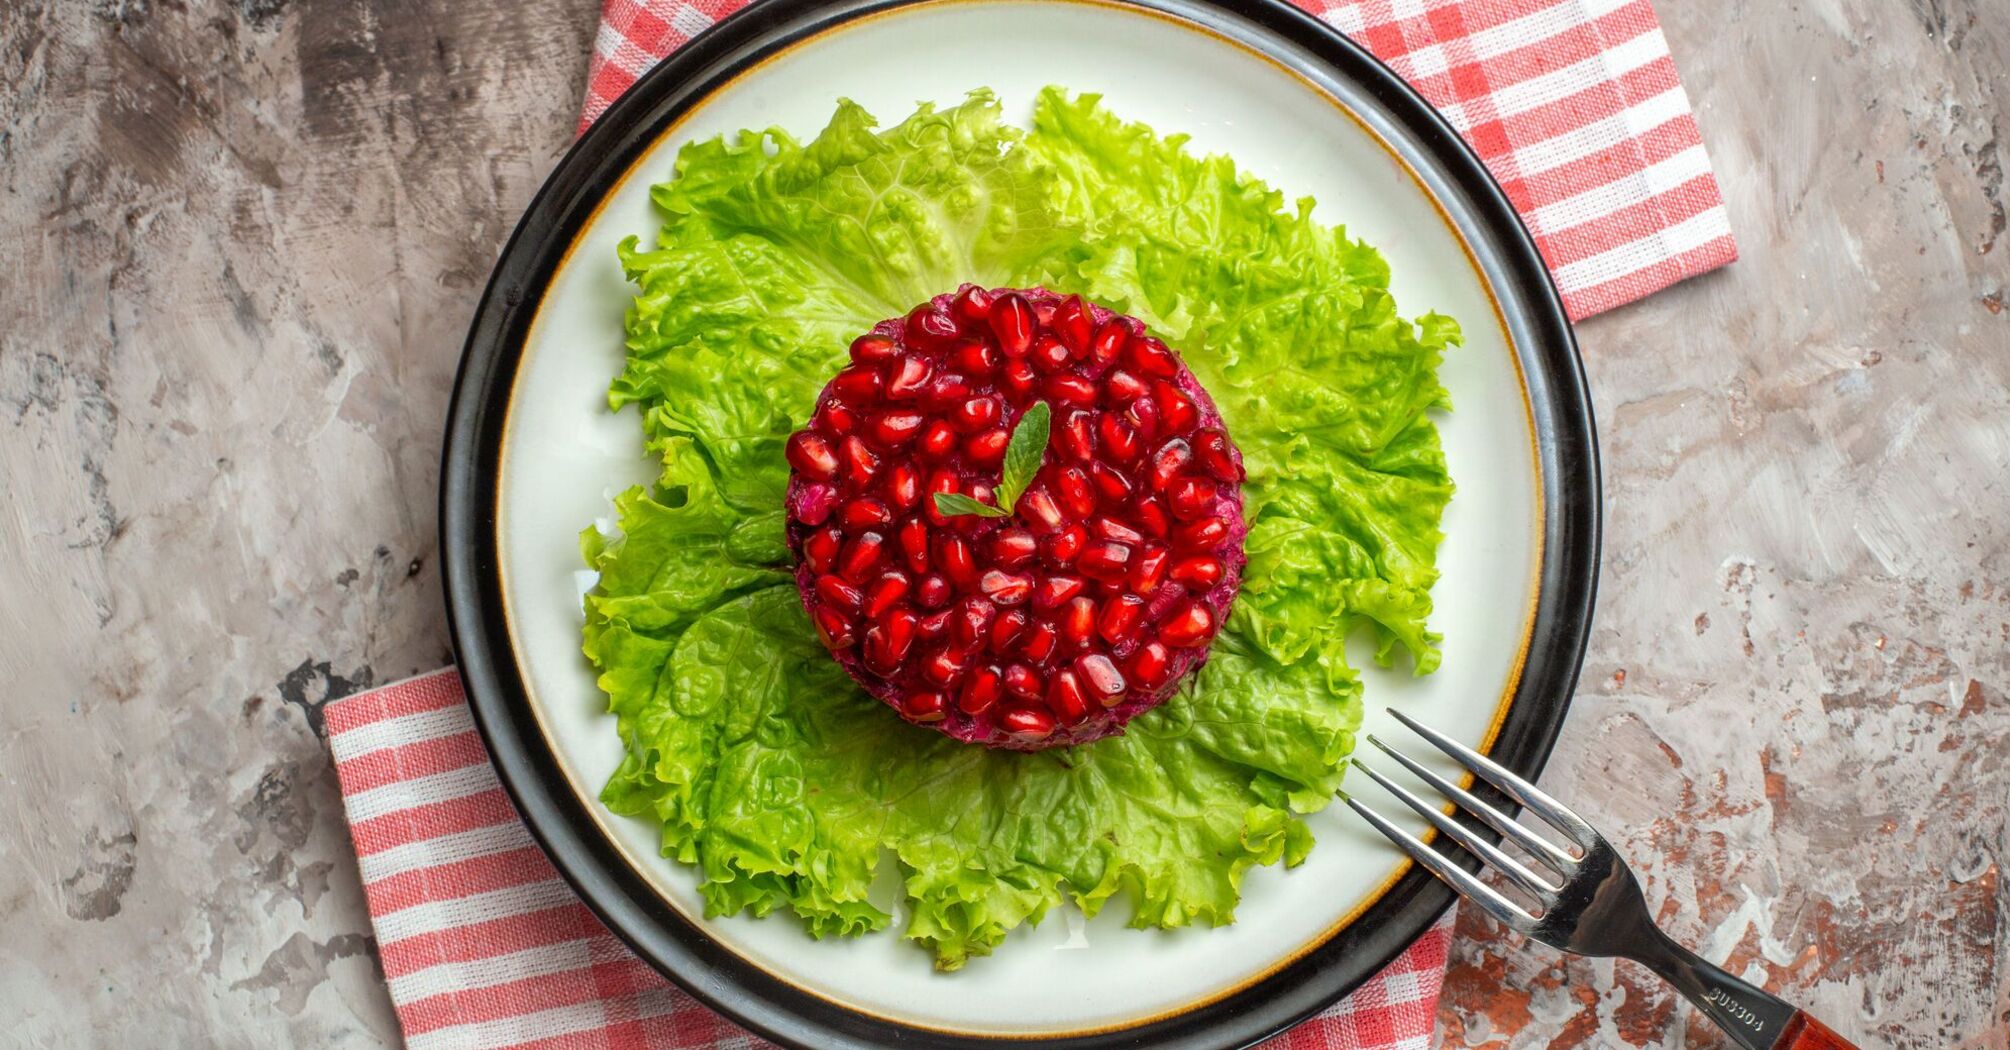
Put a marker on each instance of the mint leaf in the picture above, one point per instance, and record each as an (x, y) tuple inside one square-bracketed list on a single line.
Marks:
[(950, 503), (1023, 455)]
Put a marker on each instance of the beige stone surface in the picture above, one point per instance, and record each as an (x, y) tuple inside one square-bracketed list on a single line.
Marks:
[(238, 246)]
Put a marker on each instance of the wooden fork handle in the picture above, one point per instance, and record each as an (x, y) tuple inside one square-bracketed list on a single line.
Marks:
[(1806, 1033)]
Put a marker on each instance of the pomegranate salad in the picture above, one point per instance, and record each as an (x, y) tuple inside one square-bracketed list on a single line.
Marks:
[(1019, 493)]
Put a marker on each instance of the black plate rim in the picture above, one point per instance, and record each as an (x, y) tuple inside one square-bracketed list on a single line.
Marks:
[(1567, 451)]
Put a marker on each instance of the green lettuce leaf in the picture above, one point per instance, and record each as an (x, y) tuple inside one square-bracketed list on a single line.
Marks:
[(764, 765)]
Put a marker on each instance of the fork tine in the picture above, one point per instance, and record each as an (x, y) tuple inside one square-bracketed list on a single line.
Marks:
[(1469, 887), (1535, 885), (1549, 809), (1544, 850)]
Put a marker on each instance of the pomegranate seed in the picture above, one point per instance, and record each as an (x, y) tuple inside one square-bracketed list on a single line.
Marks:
[(909, 376), (839, 593), (1041, 640), (1073, 325), (988, 449), (929, 326), (1176, 410), (974, 414), (947, 389), (938, 441), (1151, 516), (1144, 415), (1171, 458), (1011, 321), (942, 666), (1054, 591), (933, 592), (1112, 529), (1077, 620), (834, 628), (1120, 440), (886, 591), (1077, 436), (1199, 572), (1151, 665), (933, 626), (1100, 674), (862, 557), (838, 417), (860, 462), (873, 349), (1006, 588), (1021, 680), (1147, 569), (1204, 534), (1105, 561), (1012, 548), (1026, 724), (1071, 486), (924, 705), (974, 357), (952, 556), (1005, 629), (1018, 378), (903, 486), (941, 481), (865, 512), (913, 539), (889, 638), (1066, 545), (1123, 386), (1066, 700), (1049, 355), (1152, 357), (857, 384), (1190, 626), (1215, 457), (972, 304), (820, 551), (815, 503), (1190, 497), (811, 455), (1111, 484), (1072, 389), (1120, 619), (980, 691), (1109, 342), (1038, 508)]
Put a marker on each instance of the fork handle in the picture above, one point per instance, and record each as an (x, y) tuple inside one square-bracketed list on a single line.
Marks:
[(1754, 1018)]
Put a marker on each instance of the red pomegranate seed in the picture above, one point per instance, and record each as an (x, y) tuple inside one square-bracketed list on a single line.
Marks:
[(1011, 322), (865, 512), (1120, 440), (903, 486), (1100, 674), (860, 462), (1190, 497), (820, 551), (1205, 534), (815, 503), (1105, 561), (1021, 680), (910, 374), (1013, 547), (1147, 569), (943, 480), (1151, 517), (873, 349), (839, 593), (834, 628), (1171, 458), (1006, 588), (972, 304), (890, 637), (1122, 386), (1120, 619), (1054, 591), (862, 557), (1111, 484), (858, 384), (1066, 545), (1073, 325), (1212, 448), (932, 592), (1076, 620), (1112, 529), (885, 592), (942, 666), (1026, 724), (1152, 357), (1040, 642), (974, 414), (947, 389), (988, 448), (938, 441), (913, 539), (924, 705), (1066, 700), (1199, 572), (974, 357), (1176, 410), (1071, 389), (1005, 630), (1071, 486), (1037, 506), (1144, 416), (980, 690), (952, 557), (811, 455), (1049, 354), (1151, 665), (933, 626), (929, 326), (838, 417), (1109, 342), (1018, 378), (1076, 436), (1190, 626)]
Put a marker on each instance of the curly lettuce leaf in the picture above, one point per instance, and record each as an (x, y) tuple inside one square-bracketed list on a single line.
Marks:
[(764, 765)]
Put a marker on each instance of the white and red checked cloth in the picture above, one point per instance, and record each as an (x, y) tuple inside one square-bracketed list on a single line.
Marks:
[(1576, 108)]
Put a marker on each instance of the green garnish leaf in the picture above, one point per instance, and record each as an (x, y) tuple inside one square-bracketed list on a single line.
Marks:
[(1023, 455), (953, 503)]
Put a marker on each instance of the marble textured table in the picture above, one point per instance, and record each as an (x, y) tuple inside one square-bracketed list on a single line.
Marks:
[(240, 245)]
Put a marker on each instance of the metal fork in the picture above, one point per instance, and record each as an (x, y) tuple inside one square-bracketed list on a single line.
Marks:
[(1589, 902)]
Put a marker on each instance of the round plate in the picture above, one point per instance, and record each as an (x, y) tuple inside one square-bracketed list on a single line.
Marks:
[(533, 456)]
